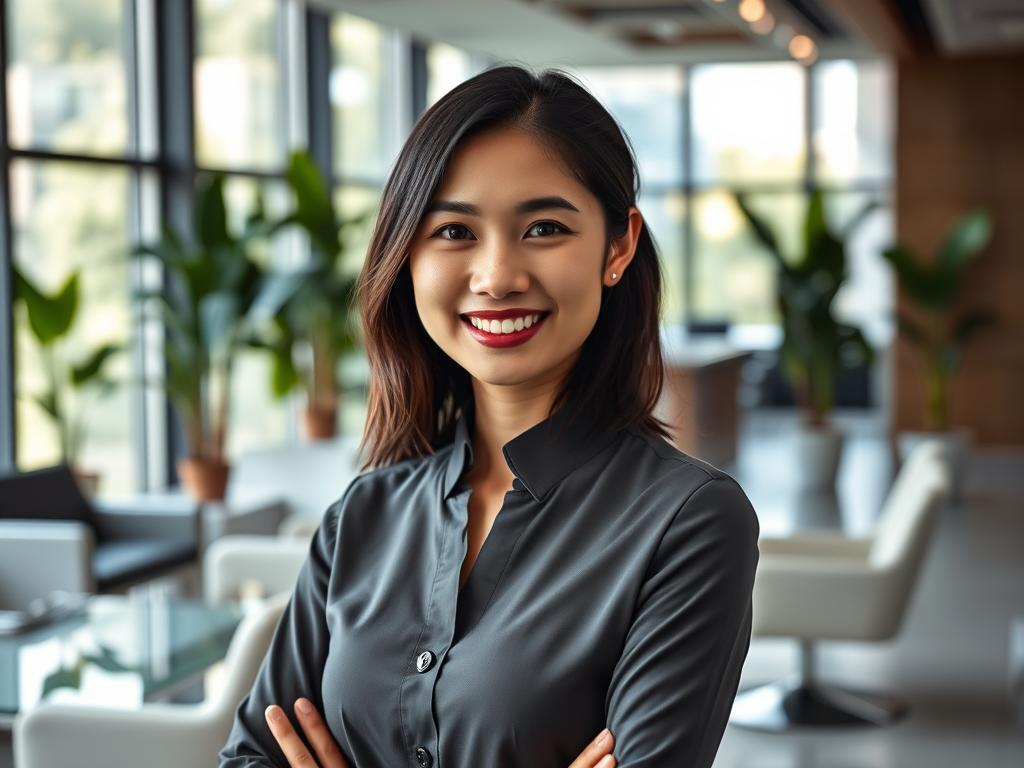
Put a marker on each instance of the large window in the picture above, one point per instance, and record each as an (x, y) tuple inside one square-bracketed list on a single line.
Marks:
[(771, 130), (79, 165)]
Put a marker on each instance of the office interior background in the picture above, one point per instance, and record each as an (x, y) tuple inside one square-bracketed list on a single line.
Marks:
[(905, 115)]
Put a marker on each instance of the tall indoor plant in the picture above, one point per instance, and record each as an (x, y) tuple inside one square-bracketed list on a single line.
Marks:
[(51, 321), (212, 284), (312, 325), (939, 329), (816, 345)]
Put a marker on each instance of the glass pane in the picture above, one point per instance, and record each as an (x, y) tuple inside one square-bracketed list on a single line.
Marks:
[(67, 77), (447, 66), (258, 419), (866, 299), (69, 218), (365, 107), (647, 102), (735, 276), (748, 122), (665, 215), (238, 90), (351, 202), (853, 120)]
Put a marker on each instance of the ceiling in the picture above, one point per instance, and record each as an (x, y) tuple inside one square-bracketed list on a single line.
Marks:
[(633, 32)]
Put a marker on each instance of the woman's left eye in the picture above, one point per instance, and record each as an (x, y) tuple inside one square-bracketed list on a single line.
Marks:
[(559, 229)]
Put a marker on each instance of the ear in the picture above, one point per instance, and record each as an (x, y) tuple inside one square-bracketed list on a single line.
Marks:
[(623, 249)]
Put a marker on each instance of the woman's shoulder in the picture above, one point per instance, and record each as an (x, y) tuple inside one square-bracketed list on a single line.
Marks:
[(699, 488)]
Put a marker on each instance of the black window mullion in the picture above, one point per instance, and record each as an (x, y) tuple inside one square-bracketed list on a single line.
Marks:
[(318, 101), (175, 45)]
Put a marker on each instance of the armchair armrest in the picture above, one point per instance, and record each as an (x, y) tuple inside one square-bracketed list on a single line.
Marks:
[(231, 561), (815, 545), (160, 735), (37, 557), (818, 598)]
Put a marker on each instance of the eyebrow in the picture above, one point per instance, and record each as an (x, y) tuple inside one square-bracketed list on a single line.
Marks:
[(526, 206)]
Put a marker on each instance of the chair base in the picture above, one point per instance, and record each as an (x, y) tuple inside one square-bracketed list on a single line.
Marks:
[(784, 705)]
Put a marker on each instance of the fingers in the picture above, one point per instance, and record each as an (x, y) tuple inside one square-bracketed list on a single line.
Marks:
[(292, 746), (598, 753), (319, 735)]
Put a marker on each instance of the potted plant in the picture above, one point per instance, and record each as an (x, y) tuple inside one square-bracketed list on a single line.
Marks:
[(206, 305), (51, 320), (815, 344), (938, 333), (312, 325)]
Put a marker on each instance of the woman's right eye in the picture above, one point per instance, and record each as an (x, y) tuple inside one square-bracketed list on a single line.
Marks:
[(448, 228)]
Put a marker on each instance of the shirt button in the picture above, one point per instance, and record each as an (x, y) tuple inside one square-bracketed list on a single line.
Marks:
[(424, 661), (423, 757)]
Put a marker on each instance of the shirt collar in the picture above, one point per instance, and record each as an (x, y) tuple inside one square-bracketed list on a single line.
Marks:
[(540, 457)]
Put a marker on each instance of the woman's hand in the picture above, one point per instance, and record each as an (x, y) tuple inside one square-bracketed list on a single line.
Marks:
[(328, 754), (597, 754)]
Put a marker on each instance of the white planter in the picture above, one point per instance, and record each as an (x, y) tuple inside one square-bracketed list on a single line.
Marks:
[(957, 445), (816, 453)]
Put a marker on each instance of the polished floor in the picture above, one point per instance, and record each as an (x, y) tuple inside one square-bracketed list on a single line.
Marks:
[(959, 660)]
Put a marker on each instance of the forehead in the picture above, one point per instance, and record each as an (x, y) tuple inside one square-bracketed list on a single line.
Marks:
[(498, 168)]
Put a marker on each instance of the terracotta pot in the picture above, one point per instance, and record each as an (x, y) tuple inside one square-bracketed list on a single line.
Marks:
[(204, 479), (320, 423), (88, 482)]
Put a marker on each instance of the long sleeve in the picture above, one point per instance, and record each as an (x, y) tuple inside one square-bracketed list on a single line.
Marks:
[(293, 666), (672, 689)]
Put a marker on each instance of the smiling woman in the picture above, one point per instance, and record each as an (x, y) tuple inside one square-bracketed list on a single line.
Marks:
[(526, 561)]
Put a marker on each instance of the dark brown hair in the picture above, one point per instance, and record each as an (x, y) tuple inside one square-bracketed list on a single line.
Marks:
[(416, 390)]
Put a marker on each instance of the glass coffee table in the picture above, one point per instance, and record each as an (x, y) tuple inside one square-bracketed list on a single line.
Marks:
[(118, 651)]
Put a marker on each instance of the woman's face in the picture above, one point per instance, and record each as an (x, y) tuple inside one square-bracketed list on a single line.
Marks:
[(510, 229)]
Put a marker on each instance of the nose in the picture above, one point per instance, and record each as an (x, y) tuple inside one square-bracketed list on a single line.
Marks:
[(499, 269)]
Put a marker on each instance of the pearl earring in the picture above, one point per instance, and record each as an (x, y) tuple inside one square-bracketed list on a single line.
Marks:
[(614, 275)]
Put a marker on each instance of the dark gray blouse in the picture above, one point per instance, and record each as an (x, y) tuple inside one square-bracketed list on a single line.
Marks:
[(612, 590)]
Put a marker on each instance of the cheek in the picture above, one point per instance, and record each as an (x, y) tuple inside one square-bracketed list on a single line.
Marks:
[(576, 291), (434, 285)]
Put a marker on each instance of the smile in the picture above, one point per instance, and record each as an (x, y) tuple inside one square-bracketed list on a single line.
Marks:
[(507, 332)]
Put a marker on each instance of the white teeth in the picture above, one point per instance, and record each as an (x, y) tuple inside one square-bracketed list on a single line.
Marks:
[(508, 325)]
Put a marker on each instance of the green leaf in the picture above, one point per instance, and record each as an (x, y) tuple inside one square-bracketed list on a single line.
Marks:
[(49, 317), (218, 316), (93, 366), (918, 283), (284, 377), (48, 402), (314, 209), (815, 227), (968, 326), (965, 240), (211, 215)]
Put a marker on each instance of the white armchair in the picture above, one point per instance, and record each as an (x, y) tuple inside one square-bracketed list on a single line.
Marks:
[(234, 562), (827, 587), (158, 735)]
